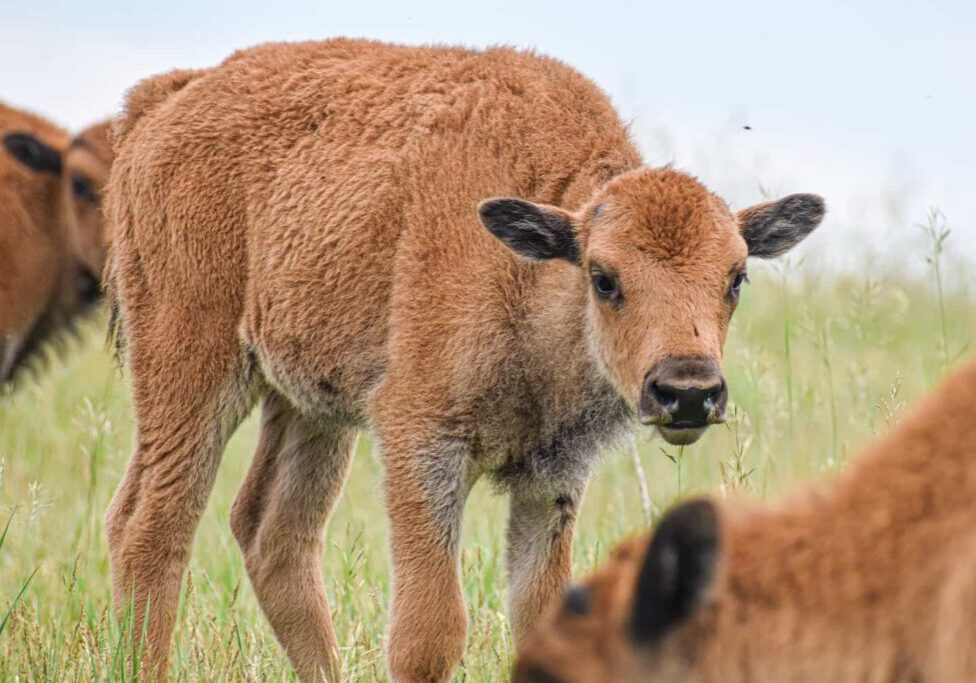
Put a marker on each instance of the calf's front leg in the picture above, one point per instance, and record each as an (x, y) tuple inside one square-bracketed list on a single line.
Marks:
[(540, 544), (426, 486)]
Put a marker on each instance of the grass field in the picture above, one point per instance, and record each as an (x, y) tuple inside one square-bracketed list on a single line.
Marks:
[(816, 365)]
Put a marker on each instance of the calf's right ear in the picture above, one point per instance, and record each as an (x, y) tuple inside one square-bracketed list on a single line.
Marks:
[(773, 228), (678, 571), (536, 231), (33, 153)]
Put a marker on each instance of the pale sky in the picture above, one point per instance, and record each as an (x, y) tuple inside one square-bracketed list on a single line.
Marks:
[(869, 103)]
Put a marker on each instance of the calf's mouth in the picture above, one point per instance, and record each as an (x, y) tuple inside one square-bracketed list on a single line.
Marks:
[(23, 350), (681, 435)]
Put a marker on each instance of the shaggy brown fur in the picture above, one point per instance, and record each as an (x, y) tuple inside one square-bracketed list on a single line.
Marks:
[(301, 223), (48, 269), (872, 578)]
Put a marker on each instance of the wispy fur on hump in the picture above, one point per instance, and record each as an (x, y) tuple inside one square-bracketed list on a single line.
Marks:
[(140, 100), (148, 94)]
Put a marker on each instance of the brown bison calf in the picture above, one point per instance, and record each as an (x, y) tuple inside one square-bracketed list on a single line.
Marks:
[(51, 242), (301, 223), (870, 579)]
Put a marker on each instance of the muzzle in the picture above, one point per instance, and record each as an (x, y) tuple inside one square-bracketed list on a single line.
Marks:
[(682, 397)]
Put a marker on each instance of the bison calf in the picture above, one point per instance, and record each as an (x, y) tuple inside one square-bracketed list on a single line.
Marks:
[(301, 223), (51, 234), (870, 579)]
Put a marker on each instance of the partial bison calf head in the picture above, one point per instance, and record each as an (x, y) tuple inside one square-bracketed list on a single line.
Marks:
[(52, 241), (647, 613), (665, 260), (87, 163)]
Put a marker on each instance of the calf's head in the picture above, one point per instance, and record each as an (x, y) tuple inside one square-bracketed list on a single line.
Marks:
[(51, 243), (664, 262), (648, 614)]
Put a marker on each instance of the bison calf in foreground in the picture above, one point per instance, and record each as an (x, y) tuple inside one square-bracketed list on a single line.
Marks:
[(872, 578), (301, 223), (52, 245)]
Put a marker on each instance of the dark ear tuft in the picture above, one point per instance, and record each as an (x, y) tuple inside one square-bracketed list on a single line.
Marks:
[(532, 230), (678, 570), (33, 153), (773, 228)]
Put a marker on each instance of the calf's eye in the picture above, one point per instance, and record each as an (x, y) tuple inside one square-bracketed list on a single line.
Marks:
[(604, 285), (83, 189), (737, 282)]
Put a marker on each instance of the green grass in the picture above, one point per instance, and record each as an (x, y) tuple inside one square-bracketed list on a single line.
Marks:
[(816, 366)]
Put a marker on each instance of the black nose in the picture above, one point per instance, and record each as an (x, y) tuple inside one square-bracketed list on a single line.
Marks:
[(684, 393), (89, 287)]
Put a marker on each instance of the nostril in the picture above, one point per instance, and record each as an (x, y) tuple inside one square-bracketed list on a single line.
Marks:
[(715, 395), (666, 396), (684, 393)]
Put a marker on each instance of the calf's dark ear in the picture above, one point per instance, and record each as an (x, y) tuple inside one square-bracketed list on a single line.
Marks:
[(33, 153), (678, 570), (536, 231), (773, 228)]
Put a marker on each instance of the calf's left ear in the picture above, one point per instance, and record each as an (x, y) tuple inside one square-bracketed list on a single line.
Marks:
[(773, 228), (536, 231), (678, 571)]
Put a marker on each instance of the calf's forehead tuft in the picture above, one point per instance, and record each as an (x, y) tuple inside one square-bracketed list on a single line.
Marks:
[(666, 213)]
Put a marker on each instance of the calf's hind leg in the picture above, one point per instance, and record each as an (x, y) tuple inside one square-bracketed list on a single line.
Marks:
[(278, 519), (190, 389)]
